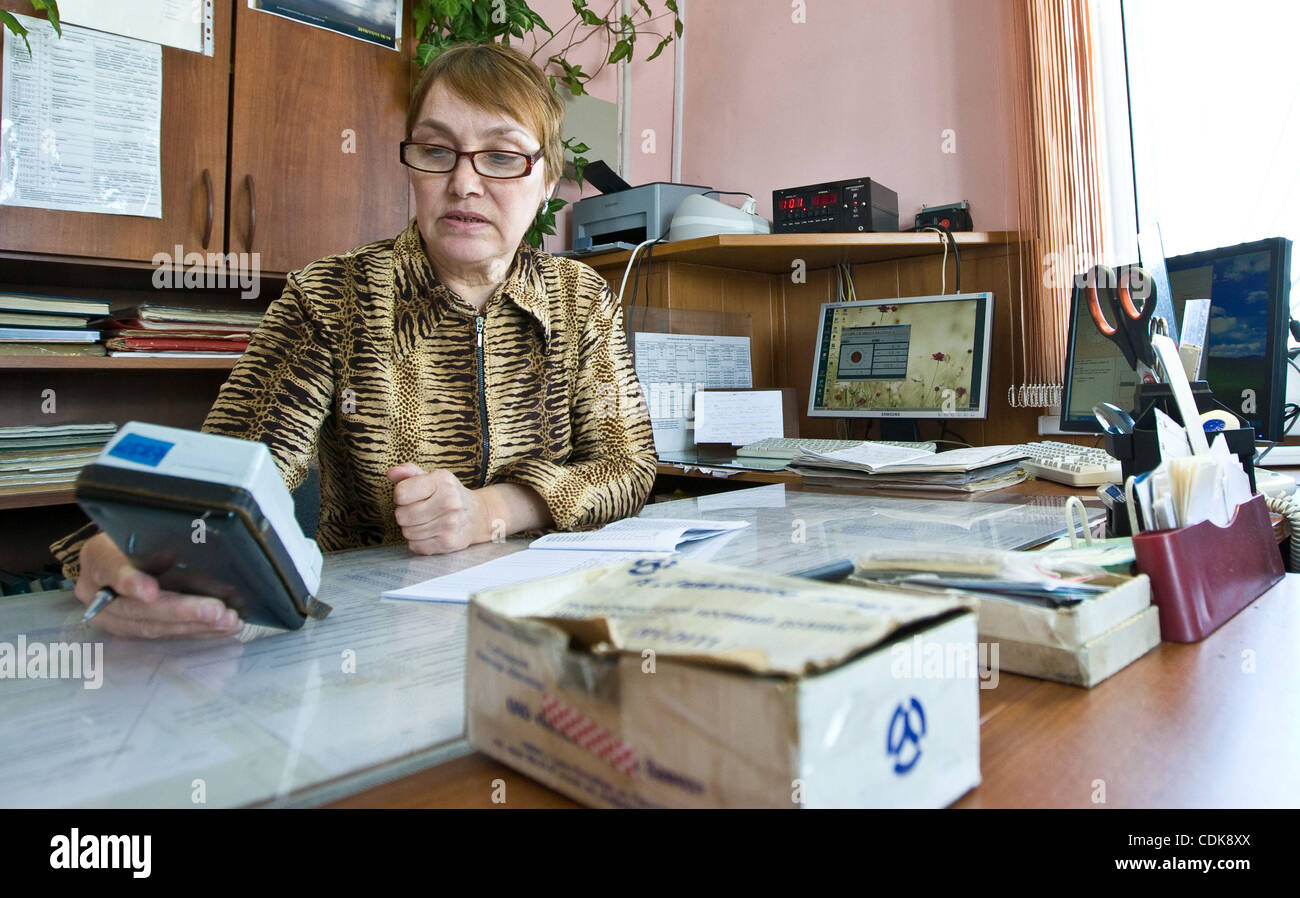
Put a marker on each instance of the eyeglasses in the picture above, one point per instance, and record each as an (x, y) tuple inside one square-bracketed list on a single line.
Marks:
[(489, 163)]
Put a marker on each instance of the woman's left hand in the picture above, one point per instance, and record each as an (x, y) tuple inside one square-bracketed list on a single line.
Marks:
[(436, 512)]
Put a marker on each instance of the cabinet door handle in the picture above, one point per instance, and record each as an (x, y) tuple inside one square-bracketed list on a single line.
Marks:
[(207, 228), (252, 212)]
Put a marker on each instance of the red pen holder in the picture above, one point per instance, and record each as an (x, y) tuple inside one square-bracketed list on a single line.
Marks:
[(1204, 574)]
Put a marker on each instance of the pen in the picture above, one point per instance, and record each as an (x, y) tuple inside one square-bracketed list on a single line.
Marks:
[(100, 602)]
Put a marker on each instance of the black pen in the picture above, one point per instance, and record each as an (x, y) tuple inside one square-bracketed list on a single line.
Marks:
[(100, 602)]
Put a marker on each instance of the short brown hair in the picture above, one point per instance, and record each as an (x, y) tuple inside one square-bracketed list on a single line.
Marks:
[(501, 79)]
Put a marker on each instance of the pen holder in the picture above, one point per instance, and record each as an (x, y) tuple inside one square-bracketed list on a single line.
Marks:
[(1139, 451), (1204, 574)]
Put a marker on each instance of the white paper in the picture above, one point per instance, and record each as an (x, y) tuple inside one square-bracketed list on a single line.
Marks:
[(80, 122), (1171, 438), (638, 535), (738, 418), (530, 564), (176, 23), (672, 367)]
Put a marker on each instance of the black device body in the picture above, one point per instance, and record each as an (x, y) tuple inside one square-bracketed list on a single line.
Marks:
[(199, 538), (954, 217), (1139, 451), (858, 205)]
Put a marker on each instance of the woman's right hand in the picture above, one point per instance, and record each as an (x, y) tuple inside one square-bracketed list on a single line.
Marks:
[(142, 609)]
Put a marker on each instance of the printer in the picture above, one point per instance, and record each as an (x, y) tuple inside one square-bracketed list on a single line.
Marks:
[(629, 216)]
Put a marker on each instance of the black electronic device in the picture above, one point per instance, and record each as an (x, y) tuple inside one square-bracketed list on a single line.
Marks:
[(953, 216), (854, 206)]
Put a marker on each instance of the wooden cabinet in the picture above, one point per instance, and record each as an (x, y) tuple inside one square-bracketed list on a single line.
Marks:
[(284, 143), (195, 106), (316, 119)]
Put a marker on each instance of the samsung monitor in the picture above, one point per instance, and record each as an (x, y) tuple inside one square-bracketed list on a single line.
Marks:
[(1248, 286), (914, 357)]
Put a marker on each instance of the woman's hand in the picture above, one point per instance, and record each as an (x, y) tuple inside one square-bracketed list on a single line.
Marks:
[(436, 513), (142, 609)]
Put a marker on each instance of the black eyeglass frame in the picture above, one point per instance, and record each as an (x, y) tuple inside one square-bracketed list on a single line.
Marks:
[(530, 161)]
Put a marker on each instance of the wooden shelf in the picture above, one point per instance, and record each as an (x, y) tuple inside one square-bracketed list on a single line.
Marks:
[(36, 496), (108, 363), (773, 253)]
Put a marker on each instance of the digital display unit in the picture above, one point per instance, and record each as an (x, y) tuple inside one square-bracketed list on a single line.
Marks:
[(1248, 286), (914, 357)]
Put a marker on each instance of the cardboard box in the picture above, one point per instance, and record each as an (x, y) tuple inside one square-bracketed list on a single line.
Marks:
[(662, 682)]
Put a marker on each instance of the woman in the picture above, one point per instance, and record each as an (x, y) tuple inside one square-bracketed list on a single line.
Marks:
[(456, 385)]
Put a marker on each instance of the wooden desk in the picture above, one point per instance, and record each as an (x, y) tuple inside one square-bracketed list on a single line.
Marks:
[(1183, 726)]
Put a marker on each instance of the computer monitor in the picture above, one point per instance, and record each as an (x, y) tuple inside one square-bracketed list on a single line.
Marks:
[(914, 357), (1248, 286)]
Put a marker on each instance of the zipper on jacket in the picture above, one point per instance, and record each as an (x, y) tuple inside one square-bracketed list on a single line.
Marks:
[(482, 402)]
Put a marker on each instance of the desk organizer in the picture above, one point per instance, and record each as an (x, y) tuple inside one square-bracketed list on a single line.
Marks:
[(1204, 574), (1139, 451)]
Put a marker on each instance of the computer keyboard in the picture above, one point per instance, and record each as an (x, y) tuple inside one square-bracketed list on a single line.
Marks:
[(788, 447), (1070, 464)]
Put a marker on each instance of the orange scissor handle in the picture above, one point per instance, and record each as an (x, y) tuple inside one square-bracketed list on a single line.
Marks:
[(1094, 304)]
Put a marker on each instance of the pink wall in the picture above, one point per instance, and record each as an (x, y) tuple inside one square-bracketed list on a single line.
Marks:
[(860, 89), (651, 101)]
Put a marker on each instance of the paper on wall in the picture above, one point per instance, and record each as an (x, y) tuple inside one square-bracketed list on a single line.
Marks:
[(175, 23), (80, 120)]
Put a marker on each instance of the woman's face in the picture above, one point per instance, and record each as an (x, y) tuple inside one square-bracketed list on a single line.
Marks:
[(499, 211)]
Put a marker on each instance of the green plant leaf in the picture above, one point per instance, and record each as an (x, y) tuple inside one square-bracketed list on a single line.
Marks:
[(422, 12), (622, 50), (51, 8), (576, 146), (579, 168), (646, 7), (660, 48), (16, 27)]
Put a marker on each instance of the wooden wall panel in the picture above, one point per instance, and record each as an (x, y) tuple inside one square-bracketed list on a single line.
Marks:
[(784, 325)]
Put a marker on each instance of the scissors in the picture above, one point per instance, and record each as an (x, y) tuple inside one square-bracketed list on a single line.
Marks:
[(1132, 329)]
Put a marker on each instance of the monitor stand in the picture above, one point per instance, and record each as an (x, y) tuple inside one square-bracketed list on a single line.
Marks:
[(899, 430)]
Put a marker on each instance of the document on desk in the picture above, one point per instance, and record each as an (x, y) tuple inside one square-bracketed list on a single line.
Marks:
[(738, 418), (530, 564), (874, 458), (249, 722), (638, 535)]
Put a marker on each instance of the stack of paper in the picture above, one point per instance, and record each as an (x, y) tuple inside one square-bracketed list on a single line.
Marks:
[(875, 465), (152, 330), (34, 457), (560, 553), (48, 325), (1043, 614)]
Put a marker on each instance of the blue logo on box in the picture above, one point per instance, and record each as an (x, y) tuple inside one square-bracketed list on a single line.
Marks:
[(906, 728), (141, 450)]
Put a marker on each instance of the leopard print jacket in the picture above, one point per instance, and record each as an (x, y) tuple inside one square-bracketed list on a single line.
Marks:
[(367, 361)]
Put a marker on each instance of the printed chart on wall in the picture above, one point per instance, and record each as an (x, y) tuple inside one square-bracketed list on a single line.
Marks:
[(671, 367), (81, 121), (375, 21)]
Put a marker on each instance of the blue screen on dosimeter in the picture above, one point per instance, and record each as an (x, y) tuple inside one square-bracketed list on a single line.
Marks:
[(141, 450)]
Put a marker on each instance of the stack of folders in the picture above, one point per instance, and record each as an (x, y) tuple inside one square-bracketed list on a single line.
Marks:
[(38, 458), (879, 466), (49, 325), (158, 331), (1044, 614)]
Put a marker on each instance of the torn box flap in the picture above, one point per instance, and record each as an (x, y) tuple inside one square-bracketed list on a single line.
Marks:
[(717, 615)]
